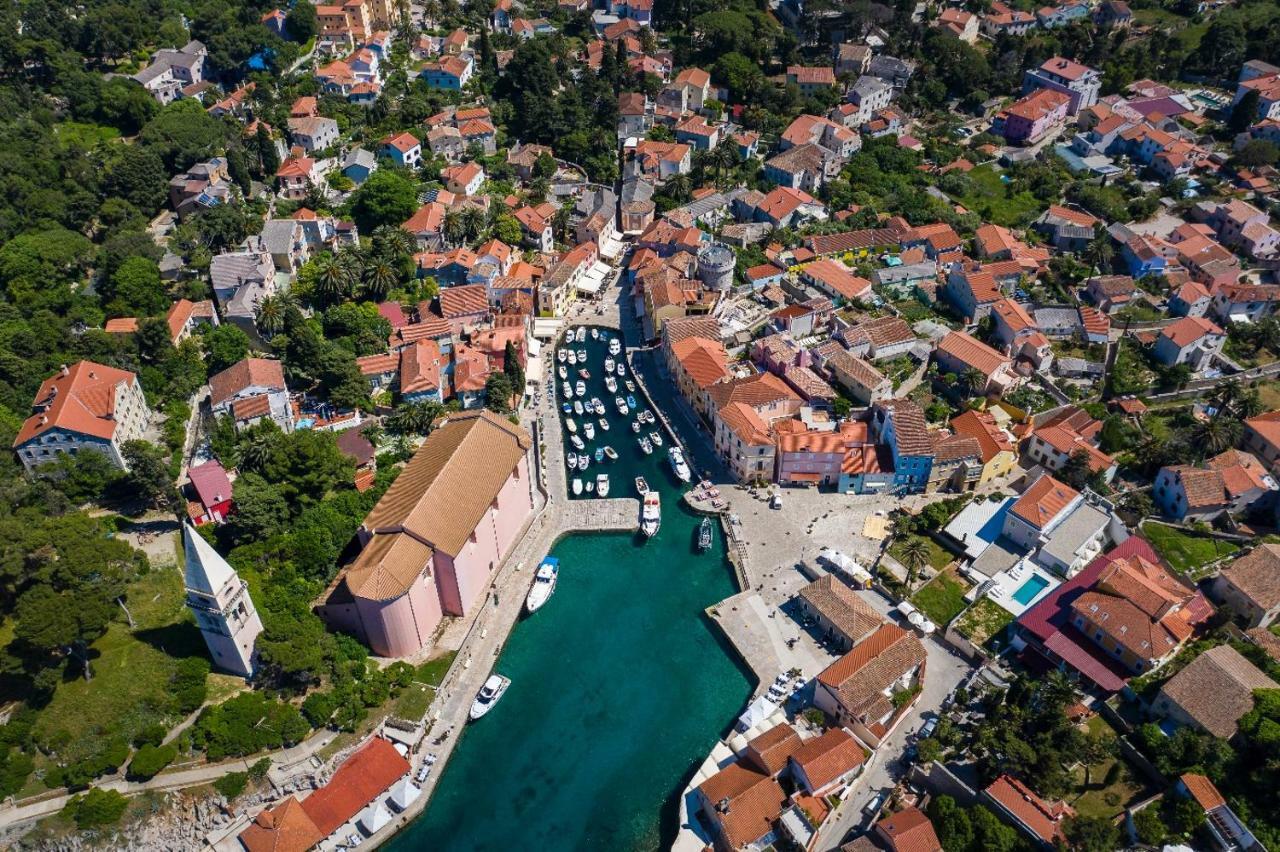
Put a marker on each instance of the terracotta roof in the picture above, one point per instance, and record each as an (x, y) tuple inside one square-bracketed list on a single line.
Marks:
[(861, 676), (1202, 790), (705, 361), (1216, 689), (825, 758), (839, 278), (1188, 330), (1266, 640), (421, 367), (857, 369), (1044, 819), (1257, 575), (463, 301), (251, 372), (284, 828), (362, 778), (842, 607), (754, 390), (249, 407), (909, 427), (1043, 501), (1065, 68), (769, 751), (970, 351), (353, 443), (909, 830), (951, 448), (752, 803), (1203, 488), (436, 501), (982, 427), (82, 400)]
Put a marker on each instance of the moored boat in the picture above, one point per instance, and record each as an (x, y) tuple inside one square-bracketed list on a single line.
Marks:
[(642, 487), (577, 406), (585, 374), (599, 454), (622, 370), (562, 371), (562, 355), (631, 400), (567, 408), (571, 425), (589, 431), (621, 405), (572, 461), (573, 357), (576, 441), (635, 425), (704, 534), (580, 388), (602, 484), (595, 334), (678, 464), (604, 424), (493, 689), (656, 438), (651, 514), (612, 384), (577, 486), (611, 454), (591, 486), (568, 390), (631, 386), (583, 461), (615, 346), (645, 445), (544, 584), (608, 365)]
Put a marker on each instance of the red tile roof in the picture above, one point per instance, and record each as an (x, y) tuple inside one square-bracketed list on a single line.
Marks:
[(284, 828), (1044, 819), (251, 372), (83, 400), (362, 778), (1043, 501), (463, 301)]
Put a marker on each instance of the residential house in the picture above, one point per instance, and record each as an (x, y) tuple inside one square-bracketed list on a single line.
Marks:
[(1041, 820), (449, 73), (1033, 117), (1191, 299), (864, 382), (908, 830), (172, 70), (87, 406), (959, 352), (464, 179), (806, 167), (201, 187), (959, 23), (996, 449), (869, 94), (1230, 482), (422, 372), (1262, 438), (358, 164), (403, 149), (1244, 302), (697, 364), (1110, 293), (1220, 822), (1080, 83), (661, 161), (811, 79), (858, 690), (252, 390), (899, 424), (211, 489), (1066, 229), (817, 457), (832, 278), (743, 807), (1212, 692), (296, 177), (313, 133), (1194, 341), (1244, 227), (1250, 586), (824, 765), (1044, 505), (743, 413)]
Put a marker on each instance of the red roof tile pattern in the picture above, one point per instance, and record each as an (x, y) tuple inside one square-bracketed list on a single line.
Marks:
[(81, 400), (362, 778)]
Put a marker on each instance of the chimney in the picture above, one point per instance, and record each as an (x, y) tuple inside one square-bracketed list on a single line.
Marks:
[(64, 371), (722, 806), (92, 374)]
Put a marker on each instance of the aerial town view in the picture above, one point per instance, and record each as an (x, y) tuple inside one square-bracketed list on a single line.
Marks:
[(629, 425)]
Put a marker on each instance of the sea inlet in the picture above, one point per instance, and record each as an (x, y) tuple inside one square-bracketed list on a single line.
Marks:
[(620, 684)]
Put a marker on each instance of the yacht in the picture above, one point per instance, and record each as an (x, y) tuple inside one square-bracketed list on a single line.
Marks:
[(583, 461), (573, 357), (580, 388), (577, 486), (571, 425), (562, 355), (562, 372), (577, 406), (651, 514), (648, 417), (612, 384), (582, 356), (615, 346), (488, 695), (589, 430), (572, 461), (656, 438), (602, 484), (704, 534), (646, 446), (544, 584), (608, 365), (604, 424), (678, 464), (611, 454), (597, 406), (642, 487)]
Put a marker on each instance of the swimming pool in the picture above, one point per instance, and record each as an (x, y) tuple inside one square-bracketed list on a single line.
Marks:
[(1031, 589)]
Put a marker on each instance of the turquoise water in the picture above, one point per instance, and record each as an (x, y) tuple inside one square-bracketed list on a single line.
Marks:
[(620, 686), (1029, 590)]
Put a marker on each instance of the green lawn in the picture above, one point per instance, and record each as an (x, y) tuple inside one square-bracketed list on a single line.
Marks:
[(1185, 551), (942, 598), (982, 621), (989, 198), (131, 670), (939, 557), (414, 701)]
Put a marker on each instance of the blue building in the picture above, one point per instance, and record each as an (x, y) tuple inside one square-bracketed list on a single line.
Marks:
[(902, 459)]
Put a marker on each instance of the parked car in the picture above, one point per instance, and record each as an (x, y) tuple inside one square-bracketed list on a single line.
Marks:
[(873, 807), (927, 729)]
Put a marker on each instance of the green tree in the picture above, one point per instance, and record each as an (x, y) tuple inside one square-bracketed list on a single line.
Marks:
[(301, 22), (511, 366), (137, 175), (225, 345), (137, 290), (914, 553), (148, 475), (386, 198), (149, 760), (96, 808), (498, 393), (183, 134), (1091, 834)]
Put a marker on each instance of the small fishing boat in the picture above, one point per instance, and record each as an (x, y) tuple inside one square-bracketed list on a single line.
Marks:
[(622, 370), (582, 356), (612, 384), (646, 446), (580, 388), (622, 405), (571, 425), (544, 584), (567, 408), (488, 695), (635, 425), (648, 417), (642, 487), (572, 461), (608, 365), (591, 486), (651, 514), (568, 390), (582, 334), (577, 485), (585, 374), (704, 534), (595, 334), (577, 406), (604, 424), (589, 431), (562, 355), (599, 454), (562, 372), (615, 346), (611, 453), (583, 461), (573, 357), (631, 386), (597, 406), (631, 401), (602, 484), (576, 441), (676, 457), (656, 438)]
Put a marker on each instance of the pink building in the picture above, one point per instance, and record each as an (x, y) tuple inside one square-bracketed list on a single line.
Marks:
[(1033, 117), (818, 458), (432, 543)]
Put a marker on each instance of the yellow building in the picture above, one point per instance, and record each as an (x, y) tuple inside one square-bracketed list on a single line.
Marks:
[(998, 453)]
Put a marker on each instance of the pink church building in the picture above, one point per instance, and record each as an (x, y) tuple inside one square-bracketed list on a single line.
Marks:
[(431, 545)]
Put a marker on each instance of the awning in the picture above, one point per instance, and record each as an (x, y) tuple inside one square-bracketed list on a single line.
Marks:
[(546, 328)]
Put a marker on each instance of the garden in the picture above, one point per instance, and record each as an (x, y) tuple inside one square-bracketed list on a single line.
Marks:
[(942, 598), (1185, 551)]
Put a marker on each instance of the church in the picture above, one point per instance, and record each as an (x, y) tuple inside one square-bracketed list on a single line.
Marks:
[(220, 601)]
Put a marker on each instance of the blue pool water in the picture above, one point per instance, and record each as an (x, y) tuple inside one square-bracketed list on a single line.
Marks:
[(1030, 590)]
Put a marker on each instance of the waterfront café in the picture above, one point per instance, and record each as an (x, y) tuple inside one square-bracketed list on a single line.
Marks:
[(349, 804)]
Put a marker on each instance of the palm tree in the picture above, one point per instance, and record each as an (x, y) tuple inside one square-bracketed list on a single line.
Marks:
[(329, 278), (392, 241), (257, 452), (560, 222), (415, 418), (351, 262), (453, 229), (1100, 251), (678, 187), (379, 277), (473, 222), (914, 553), (269, 315), (1217, 434), (973, 380)]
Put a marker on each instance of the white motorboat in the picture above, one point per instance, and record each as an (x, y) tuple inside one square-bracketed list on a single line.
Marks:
[(571, 425), (635, 425), (612, 384), (611, 454), (582, 356), (615, 346), (580, 388), (562, 355), (647, 416), (572, 461), (599, 408), (622, 406), (646, 446), (602, 484), (596, 406), (595, 334), (604, 424), (656, 438), (493, 689), (583, 461), (599, 454), (589, 430), (582, 334), (567, 390), (608, 365), (577, 486), (642, 487), (631, 386), (573, 357), (622, 370), (591, 486), (678, 464), (544, 584), (576, 441), (651, 514), (577, 406), (562, 372)]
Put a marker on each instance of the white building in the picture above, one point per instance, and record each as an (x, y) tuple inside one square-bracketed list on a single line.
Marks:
[(220, 601)]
